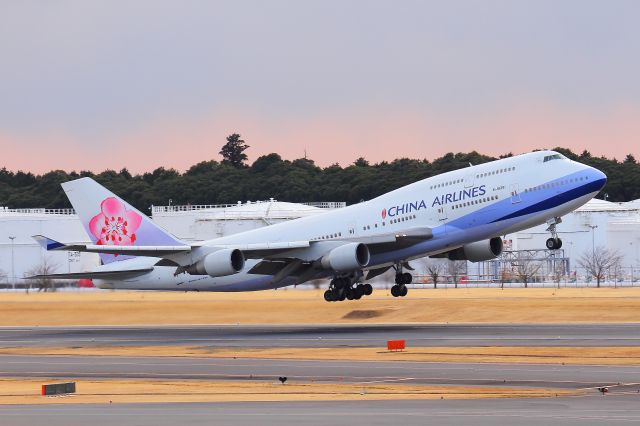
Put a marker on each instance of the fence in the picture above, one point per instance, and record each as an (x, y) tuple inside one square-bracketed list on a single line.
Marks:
[(329, 205), (622, 277), (38, 211)]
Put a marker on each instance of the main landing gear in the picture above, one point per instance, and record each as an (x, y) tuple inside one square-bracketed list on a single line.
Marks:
[(346, 288), (402, 279), (553, 243)]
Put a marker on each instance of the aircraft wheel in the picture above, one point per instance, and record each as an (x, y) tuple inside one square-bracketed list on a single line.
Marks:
[(399, 279), (328, 296), (403, 291), (554, 243), (407, 278), (394, 291), (357, 294), (368, 289), (349, 294)]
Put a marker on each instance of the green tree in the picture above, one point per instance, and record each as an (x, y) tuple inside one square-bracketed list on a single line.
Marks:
[(211, 182), (361, 162), (233, 151)]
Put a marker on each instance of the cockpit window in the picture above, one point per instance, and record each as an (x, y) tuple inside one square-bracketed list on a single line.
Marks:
[(552, 157)]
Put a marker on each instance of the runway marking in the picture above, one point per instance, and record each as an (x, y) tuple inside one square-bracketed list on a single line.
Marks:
[(390, 380), (447, 339), (247, 362), (331, 378), (241, 361)]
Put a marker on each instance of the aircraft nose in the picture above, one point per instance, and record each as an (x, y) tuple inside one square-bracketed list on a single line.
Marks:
[(598, 177)]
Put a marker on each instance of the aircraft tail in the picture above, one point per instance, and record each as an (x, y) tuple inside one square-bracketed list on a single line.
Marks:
[(109, 220)]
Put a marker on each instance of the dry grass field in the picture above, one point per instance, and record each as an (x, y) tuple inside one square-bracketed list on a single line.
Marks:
[(27, 391), (291, 306)]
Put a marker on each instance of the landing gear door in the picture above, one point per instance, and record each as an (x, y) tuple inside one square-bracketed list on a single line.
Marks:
[(515, 194), (442, 213), (469, 180)]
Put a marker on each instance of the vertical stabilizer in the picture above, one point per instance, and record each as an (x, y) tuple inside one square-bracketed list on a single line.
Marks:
[(109, 220)]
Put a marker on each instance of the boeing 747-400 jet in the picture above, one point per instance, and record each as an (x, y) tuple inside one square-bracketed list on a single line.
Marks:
[(460, 215)]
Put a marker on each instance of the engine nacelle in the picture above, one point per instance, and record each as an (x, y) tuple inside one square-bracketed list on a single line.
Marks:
[(218, 264), (478, 251), (346, 258)]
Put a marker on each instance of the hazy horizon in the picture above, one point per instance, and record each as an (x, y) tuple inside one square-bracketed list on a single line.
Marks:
[(250, 161)]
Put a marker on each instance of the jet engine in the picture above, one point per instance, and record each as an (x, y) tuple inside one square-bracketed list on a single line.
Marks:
[(478, 251), (347, 257), (218, 264)]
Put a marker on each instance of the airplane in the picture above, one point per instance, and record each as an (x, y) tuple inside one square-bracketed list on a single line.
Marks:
[(459, 215)]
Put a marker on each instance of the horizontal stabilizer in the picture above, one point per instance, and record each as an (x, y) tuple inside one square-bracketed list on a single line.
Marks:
[(122, 274), (159, 251), (48, 243)]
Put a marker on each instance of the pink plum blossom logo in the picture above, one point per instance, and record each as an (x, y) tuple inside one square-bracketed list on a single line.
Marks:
[(115, 225), (384, 214)]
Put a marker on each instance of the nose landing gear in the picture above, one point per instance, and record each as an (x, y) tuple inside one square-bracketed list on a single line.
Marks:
[(553, 243)]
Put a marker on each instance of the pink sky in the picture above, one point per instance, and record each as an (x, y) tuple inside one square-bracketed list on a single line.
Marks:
[(376, 135), (144, 85)]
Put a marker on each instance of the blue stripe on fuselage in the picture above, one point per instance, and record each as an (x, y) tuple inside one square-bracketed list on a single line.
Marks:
[(530, 202), (556, 200)]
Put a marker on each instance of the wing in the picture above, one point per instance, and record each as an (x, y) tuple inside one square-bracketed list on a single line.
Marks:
[(262, 250), (397, 240), (377, 243), (299, 264)]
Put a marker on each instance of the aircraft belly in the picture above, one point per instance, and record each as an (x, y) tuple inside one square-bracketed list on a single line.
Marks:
[(162, 278)]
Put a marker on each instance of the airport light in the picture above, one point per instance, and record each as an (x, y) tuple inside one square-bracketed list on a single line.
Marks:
[(593, 239), (13, 273)]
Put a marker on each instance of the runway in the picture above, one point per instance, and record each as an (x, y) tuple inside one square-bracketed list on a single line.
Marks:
[(618, 407), (189, 368), (328, 335), (596, 410)]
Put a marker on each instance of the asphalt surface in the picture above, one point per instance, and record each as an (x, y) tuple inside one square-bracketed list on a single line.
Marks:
[(178, 368), (327, 335), (587, 411), (620, 406)]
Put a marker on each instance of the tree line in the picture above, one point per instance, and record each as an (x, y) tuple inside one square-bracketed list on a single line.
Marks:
[(232, 179)]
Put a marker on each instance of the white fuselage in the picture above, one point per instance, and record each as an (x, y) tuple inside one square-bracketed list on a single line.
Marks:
[(462, 206)]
